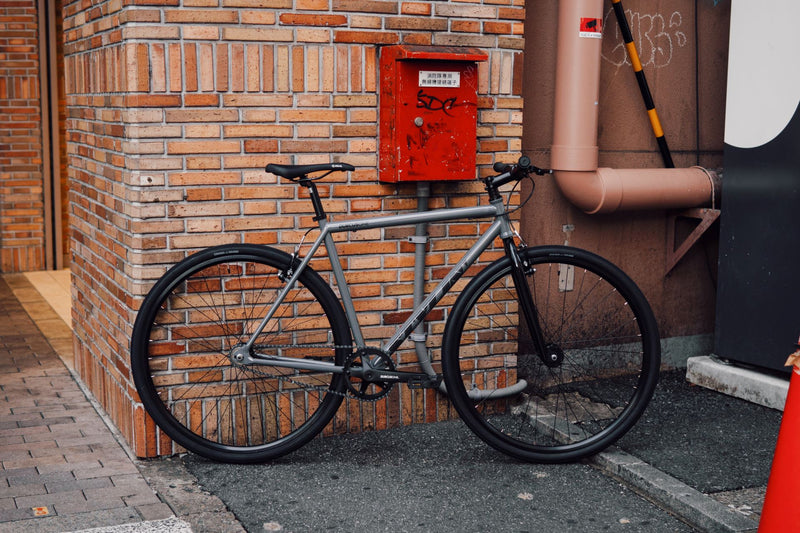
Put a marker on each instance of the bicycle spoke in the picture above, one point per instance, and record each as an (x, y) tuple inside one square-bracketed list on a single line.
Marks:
[(584, 393), (221, 408)]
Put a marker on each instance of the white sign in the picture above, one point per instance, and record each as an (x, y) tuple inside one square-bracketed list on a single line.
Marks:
[(429, 78), (758, 67)]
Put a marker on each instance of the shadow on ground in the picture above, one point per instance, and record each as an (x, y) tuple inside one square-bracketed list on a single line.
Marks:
[(435, 477)]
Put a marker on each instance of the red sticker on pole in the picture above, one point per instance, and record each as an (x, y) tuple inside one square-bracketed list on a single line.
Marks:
[(592, 28)]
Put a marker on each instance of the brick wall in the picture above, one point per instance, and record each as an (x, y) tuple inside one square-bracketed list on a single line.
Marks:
[(174, 108), (21, 201)]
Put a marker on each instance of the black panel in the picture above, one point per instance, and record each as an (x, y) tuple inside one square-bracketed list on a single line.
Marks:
[(758, 297)]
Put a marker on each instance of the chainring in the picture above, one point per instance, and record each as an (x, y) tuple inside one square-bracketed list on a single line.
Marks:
[(358, 386)]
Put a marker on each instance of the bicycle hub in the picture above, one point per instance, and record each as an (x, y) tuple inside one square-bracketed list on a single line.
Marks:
[(553, 356), (239, 354)]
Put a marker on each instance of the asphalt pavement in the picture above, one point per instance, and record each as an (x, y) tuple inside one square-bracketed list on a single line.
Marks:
[(435, 477), (698, 460)]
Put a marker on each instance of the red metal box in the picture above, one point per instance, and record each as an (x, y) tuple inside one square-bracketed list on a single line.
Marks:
[(428, 113)]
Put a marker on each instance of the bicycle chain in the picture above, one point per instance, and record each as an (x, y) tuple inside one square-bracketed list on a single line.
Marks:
[(306, 386)]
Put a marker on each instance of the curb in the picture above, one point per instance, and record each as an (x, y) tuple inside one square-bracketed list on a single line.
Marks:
[(750, 385), (688, 504), (169, 525), (181, 491)]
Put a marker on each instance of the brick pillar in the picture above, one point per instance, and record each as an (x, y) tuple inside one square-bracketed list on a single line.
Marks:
[(21, 201), (173, 112)]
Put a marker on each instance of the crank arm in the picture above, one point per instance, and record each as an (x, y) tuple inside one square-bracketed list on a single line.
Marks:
[(415, 380)]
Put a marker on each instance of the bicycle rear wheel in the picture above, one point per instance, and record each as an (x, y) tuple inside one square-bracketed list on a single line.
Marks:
[(597, 326), (181, 345)]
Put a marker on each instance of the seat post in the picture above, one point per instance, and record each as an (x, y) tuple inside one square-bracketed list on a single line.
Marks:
[(319, 211)]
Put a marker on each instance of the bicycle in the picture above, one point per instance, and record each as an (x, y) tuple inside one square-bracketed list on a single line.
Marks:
[(243, 353)]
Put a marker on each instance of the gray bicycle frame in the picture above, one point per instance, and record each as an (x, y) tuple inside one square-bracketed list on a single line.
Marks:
[(500, 227)]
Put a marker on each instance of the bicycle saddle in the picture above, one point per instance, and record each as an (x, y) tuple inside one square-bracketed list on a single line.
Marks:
[(294, 172)]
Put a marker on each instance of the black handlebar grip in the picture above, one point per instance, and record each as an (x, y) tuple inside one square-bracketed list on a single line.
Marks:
[(501, 167)]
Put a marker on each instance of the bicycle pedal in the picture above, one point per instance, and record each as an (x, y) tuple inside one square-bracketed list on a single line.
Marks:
[(424, 381)]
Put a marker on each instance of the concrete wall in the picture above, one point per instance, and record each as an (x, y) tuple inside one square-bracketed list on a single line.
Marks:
[(683, 47)]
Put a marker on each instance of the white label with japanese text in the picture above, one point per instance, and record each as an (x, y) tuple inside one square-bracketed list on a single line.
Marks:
[(429, 78)]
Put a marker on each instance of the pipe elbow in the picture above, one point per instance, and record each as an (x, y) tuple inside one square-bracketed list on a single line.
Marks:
[(608, 190), (590, 191)]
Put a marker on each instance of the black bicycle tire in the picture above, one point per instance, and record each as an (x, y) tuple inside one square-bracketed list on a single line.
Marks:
[(147, 390), (467, 408)]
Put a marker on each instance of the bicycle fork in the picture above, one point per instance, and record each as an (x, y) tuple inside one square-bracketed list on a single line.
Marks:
[(551, 356)]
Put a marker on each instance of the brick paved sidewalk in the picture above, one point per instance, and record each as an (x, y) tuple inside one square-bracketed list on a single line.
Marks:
[(62, 468)]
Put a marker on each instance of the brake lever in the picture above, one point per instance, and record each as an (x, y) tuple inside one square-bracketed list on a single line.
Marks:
[(525, 165)]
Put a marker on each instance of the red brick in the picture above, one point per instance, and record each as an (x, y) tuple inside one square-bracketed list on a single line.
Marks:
[(206, 115), (365, 37), (257, 130), (202, 240), (511, 13), (205, 194), (365, 6), (497, 27), (311, 5), (190, 66), (331, 146), (257, 34), (175, 70), (268, 59), (205, 16), (415, 8), (465, 26), (222, 68), (144, 100), (253, 76), (313, 20), (237, 67), (415, 23), (365, 130), (248, 16), (298, 69), (201, 100), (203, 178), (262, 146), (312, 115), (203, 147)]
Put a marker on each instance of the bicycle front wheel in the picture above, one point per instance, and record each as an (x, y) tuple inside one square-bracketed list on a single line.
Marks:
[(594, 381), (181, 354)]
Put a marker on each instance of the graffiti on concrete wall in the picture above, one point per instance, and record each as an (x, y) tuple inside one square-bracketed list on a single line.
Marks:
[(657, 36)]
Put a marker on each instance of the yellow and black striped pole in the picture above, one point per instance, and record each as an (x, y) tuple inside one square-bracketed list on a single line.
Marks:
[(630, 46)]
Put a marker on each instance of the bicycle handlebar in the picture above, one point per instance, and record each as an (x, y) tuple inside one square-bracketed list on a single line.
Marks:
[(509, 173)]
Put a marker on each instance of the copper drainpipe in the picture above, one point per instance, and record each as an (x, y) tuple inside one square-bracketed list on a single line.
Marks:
[(574, 151)]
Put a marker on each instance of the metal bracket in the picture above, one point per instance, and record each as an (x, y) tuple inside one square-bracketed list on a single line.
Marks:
[(418, 239), (418, 337), (706, 216)]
